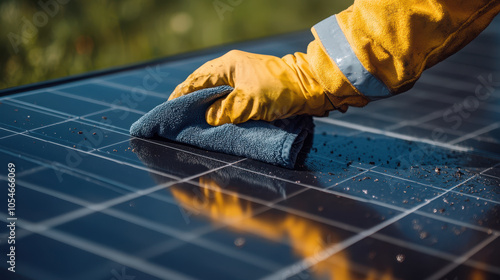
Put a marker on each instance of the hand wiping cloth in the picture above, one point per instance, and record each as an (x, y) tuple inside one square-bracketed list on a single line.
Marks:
[(183, 120)]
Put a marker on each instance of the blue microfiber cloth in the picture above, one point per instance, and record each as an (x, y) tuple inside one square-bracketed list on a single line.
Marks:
[(183, 120)]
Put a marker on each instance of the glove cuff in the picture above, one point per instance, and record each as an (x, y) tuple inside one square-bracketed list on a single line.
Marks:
[(337, 87)]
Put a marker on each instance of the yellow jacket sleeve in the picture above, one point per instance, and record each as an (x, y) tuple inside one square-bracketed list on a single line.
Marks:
[(376, 49)]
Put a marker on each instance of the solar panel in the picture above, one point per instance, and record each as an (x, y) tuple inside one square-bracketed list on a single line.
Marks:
[(404, 188)]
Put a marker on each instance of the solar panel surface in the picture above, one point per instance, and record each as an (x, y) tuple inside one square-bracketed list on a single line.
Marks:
[(407, 188)]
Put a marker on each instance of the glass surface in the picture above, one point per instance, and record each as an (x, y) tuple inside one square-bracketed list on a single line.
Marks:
[(369, 199)]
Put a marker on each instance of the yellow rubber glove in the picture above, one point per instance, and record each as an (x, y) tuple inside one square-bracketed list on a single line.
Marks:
[(370, 51), (396, 40), (265, 87)]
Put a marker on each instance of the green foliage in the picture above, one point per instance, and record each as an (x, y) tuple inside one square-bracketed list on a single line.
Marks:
[(67, 37)]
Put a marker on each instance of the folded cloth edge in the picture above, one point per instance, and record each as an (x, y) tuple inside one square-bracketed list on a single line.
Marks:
[(163, 121)]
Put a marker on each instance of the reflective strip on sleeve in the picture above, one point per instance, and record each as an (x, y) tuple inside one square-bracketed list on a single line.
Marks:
[(339, 50)]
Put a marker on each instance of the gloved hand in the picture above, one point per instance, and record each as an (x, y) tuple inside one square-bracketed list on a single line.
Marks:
[(265, 87), (370, 51)]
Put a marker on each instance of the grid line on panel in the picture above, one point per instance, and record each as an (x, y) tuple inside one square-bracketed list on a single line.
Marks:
[(14, 134), (353, 133), (355, 229), (107, 146), (391, 134), (299, 183), (319, 219), (108, 158), (445, 98), (408, 180), (190, 237), (378, 236), (417, 122), (372, 169), (12, 131), (403, 125), (109, 127), (48, 165), (52, 124), (95, 113), (150, 225), (490, 168), (63, 169), (52, 193), (326, 190), (486, 139), (457, 222), (399, 123), (95, 207), (85, 121), (431, 127), (310, 261), (492, 176), (480, 228), (22, 94), (476, 197), (43, 225), (460, 260), (25, 132), (177, 149), (42, 109), (90, 100), (96, 155), (434, 252), (121, 162), (382, 117), (172, 244), (370, 113), (341, 194), (449, 98), (106, 125), (306, 185), (64, 85), (483, 266), (30, 171), (76, 175), (272, 203), (435, 187), (169, 245), (49, 111), (129, 88), (38, 109), (269, 265), (103, 251), (478, 132)]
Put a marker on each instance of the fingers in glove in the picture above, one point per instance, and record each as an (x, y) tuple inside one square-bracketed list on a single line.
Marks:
[(235, 108), (210, 74)]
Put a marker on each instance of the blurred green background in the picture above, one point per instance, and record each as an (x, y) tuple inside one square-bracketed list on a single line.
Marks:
[(47, 39)]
